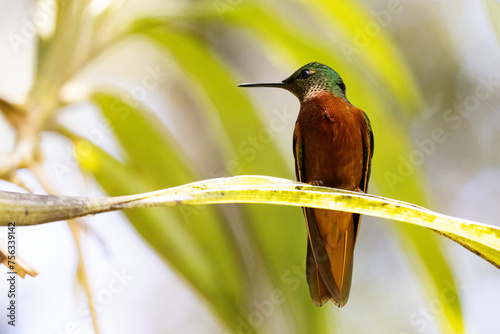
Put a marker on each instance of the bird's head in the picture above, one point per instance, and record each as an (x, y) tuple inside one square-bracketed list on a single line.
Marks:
[(309, 81)]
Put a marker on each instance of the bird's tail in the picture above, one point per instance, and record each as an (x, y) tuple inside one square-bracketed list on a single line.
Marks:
[(329, 265)]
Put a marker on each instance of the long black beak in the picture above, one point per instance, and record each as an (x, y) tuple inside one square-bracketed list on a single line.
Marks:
[(265, 84)]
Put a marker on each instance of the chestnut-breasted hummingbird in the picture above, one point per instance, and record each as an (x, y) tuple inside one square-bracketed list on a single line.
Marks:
[(333, 147)]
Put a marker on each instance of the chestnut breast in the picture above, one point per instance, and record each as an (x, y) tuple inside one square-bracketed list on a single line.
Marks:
[(331, 130)]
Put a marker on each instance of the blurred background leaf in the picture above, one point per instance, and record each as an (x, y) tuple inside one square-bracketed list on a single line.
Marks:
[(493, 9), (146, 94)]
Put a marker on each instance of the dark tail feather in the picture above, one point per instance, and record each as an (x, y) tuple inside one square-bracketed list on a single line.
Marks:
[(319, 273), (319, 293)]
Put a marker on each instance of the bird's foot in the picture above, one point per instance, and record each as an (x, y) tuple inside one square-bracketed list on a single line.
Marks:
[(317, 183)]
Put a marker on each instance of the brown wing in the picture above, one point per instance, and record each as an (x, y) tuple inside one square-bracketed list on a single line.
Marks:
[(320, 279), (368, 145)]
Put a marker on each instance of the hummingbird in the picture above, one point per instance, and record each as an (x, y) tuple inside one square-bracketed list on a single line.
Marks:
[(332, 147)]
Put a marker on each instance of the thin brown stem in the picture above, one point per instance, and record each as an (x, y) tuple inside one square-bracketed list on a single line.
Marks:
[(76, 230)]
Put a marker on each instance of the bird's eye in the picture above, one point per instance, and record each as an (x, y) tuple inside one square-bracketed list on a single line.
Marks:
[(304, 74)]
